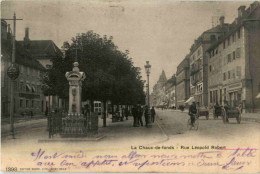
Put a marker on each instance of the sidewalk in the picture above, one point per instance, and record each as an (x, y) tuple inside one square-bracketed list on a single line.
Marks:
[(18, 119), (245, 116), (121, 132)]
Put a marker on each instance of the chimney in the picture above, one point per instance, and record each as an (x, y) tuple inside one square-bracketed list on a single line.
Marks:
[(26, 38), (241, 11), (221, 21)]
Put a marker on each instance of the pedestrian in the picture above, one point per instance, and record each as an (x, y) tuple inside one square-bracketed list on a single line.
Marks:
[(146, 114), (134, 113), (153, 114), (46, 111), (140, 114), (126, 113), (192, 113)]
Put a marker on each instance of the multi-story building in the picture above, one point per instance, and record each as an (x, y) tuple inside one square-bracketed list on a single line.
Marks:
[(182, 82), (170, 87), (158, 94), (198, 61), (28, 97), (44, 51), (234, 64)]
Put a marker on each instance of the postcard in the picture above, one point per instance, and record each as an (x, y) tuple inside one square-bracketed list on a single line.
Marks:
[(130, 86)]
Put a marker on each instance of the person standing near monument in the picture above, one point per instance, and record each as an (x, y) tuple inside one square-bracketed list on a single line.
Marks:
[(153, 114), (140, 114)]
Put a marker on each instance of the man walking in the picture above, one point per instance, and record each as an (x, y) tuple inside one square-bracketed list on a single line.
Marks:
[(146, 114), (153, 114), (192, 113), (134, 113), (139, 114)]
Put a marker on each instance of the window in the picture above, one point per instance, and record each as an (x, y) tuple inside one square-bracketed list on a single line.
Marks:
[(229, 74), (209, 68), (239, 71), (216, 51), (199, 52), (238, 50), (234, 55), (224, 44), (21, 86), (238, 34), (27, 103), (224, 76), (228, 41), (233, 74), (32, 103), (27, 88), (210, 96), (229, 58), (21, 103)]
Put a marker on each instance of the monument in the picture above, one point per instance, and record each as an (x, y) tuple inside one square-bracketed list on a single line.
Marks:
[(74, 124)]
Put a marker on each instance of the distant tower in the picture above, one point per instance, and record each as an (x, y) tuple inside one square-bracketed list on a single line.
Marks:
[(162, 78)]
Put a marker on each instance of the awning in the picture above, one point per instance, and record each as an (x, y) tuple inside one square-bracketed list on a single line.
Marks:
[(258, 95), (190, 100)]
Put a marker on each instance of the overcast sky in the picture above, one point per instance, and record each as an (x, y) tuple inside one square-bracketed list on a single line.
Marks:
[(159, 31)]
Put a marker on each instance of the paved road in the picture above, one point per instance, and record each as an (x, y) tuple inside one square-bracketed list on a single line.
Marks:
[(174, 124)]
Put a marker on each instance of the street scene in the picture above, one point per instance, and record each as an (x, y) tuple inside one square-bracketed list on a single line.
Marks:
[(130, 86)]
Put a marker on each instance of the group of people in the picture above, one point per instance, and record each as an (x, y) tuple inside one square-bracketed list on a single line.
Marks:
[(138, 111)]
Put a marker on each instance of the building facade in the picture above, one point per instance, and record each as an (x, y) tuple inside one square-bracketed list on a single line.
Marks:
[(28, 97), (199, 64), (44, 51), (158, 96), (234, 64), (170, 92), (182, 82)]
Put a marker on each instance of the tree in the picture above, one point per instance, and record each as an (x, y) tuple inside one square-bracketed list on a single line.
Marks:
[(110, 74)]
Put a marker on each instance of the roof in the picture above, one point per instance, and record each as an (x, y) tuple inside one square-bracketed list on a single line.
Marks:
[(217, 29), (236, 24), (42, 49), (22, 56), (162, 77)]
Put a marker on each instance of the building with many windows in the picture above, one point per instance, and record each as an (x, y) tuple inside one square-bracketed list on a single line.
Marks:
[(234, 64), (198, 61), (44, 51), (158, 97), (28, 97), (182, 82)]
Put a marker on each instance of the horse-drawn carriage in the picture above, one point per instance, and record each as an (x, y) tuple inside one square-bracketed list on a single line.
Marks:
[(203, 111), (227, 112), (231, 112)]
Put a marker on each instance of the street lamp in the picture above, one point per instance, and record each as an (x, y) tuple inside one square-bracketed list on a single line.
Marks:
[(148, 70)]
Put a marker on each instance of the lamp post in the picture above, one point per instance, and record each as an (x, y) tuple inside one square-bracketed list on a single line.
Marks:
[(13, 74), (147, 71)]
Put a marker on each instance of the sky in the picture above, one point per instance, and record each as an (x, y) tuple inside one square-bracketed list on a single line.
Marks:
[(161, 32)]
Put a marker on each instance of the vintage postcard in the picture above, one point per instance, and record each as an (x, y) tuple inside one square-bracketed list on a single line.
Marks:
[(130, 86)]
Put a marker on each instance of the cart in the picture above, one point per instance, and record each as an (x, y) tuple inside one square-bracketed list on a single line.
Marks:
[(231, 112), (203, 111)]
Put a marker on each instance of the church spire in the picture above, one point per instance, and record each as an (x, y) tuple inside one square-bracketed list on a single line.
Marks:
[(162, 78)]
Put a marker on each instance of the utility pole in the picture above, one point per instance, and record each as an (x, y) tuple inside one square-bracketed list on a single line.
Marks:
[(13, 73)]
